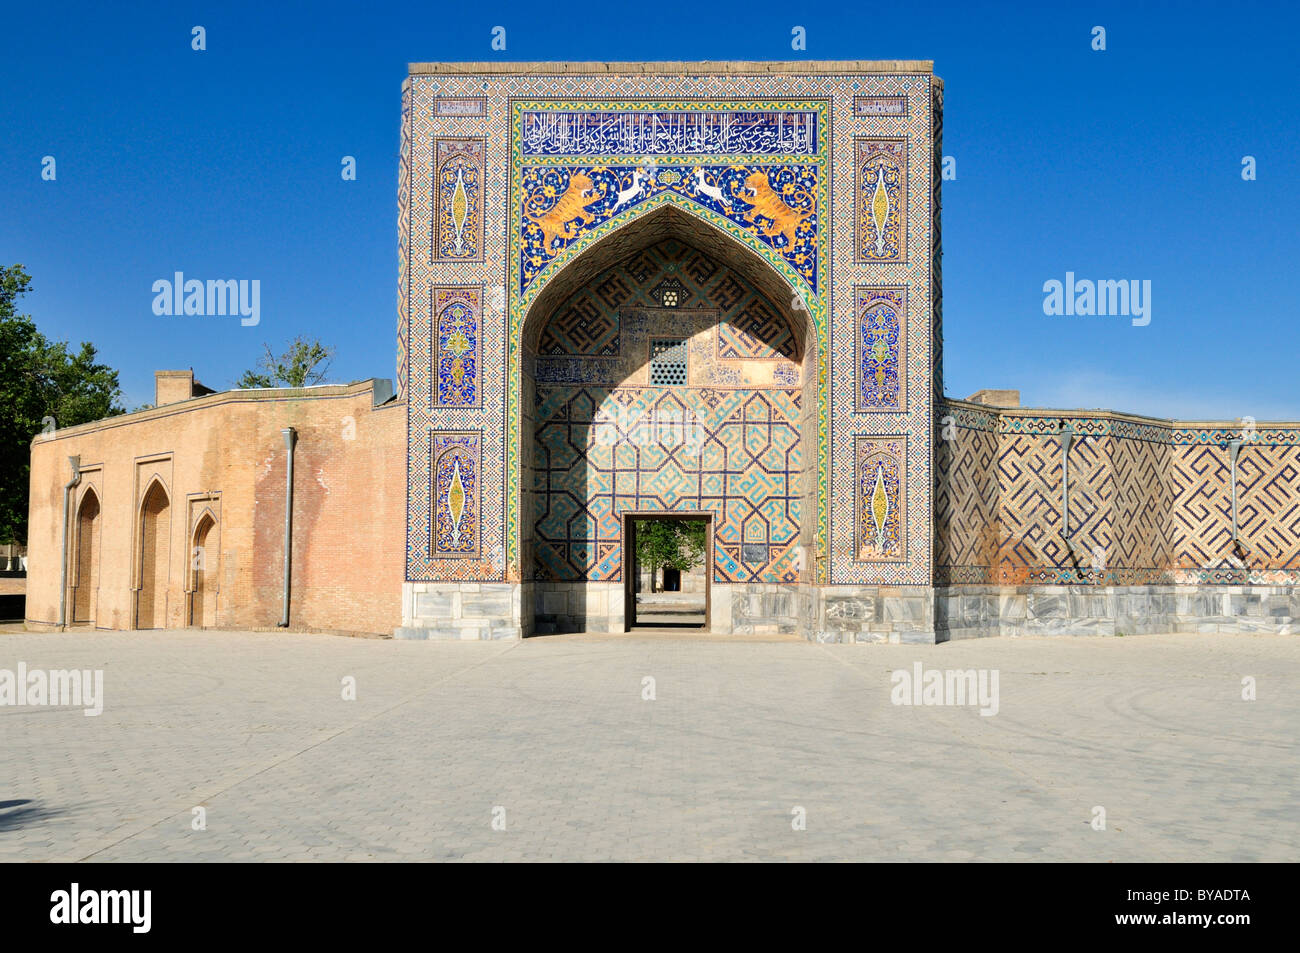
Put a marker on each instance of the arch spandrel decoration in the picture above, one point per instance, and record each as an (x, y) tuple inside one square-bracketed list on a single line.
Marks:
[(769, 201)]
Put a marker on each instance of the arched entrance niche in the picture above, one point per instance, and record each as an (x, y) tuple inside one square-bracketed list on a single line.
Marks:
[(203, 572), (665, 369), (155, 523), (85, 581)]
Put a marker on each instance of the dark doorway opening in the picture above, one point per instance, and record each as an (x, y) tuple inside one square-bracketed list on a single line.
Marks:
[(667, 570)]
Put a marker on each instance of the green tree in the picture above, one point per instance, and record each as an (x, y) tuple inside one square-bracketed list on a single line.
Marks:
[(43, 385), (303, 363), (669, 544)]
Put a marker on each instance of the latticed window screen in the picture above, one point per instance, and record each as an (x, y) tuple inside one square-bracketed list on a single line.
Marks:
[(668, 361)]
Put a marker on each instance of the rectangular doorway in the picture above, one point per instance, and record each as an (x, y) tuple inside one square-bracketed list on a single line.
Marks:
[(667, 570)]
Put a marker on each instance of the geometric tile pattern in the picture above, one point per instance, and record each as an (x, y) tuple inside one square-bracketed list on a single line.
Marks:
[(644, 333), (1029, 488), (756, 333), (457, 345), (749, 326), (936, 245), (1268, 508), (459, 215), (1140, 530), (589, 325), (966, 499), (602, 452), (882, 349), (722, 436), (404, 244), (1150, 501)]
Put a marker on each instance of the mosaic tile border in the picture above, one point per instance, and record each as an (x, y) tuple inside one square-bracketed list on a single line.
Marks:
[(404, 243), (918, 274)]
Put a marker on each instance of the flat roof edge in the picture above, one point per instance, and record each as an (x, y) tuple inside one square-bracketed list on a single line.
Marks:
[(216, 399), (672, 67), (1173, 423)]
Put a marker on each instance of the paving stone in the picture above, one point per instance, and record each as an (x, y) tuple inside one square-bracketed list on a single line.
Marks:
[(554, 730)]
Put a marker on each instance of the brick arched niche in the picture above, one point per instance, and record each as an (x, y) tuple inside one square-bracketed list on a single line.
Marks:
[(668, 368), (204, 558), (85, 579), (154, 559)]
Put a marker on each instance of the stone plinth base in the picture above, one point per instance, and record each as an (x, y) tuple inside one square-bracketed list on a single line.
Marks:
[(963, 612), (873, 614), (482, 610), (494, 610), (460, 610)]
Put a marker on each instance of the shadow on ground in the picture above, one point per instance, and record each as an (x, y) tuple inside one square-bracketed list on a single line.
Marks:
[(24, 812)]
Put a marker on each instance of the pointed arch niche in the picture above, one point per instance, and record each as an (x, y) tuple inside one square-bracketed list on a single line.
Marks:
[(203, 567), (667, 368), (86, 548), (153, 522)]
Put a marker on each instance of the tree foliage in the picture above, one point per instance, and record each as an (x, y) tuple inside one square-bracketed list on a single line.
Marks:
[(670, 544), (44, 384), (303, 363)]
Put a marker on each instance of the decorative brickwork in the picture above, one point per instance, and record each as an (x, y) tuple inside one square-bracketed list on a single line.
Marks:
[(1150, 501)]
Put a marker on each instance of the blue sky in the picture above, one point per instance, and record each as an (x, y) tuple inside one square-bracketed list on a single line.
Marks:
[(1123, 164)]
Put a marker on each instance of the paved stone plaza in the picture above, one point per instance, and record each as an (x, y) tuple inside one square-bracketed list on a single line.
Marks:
[(555, 731)]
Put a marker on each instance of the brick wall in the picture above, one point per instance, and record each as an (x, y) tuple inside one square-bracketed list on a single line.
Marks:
[(216, 465)]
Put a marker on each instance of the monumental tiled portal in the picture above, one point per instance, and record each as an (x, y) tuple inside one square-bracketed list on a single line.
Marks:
[(633, 288)]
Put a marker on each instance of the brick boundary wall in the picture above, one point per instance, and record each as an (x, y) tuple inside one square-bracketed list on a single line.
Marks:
[(223, 455)]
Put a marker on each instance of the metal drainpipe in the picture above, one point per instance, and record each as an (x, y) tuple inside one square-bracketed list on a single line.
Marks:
[(290, 437), (75, 462), (1234, 448), (1067, 438)]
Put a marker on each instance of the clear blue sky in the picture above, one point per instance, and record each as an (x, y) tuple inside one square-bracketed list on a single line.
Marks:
[(1117, 164)]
